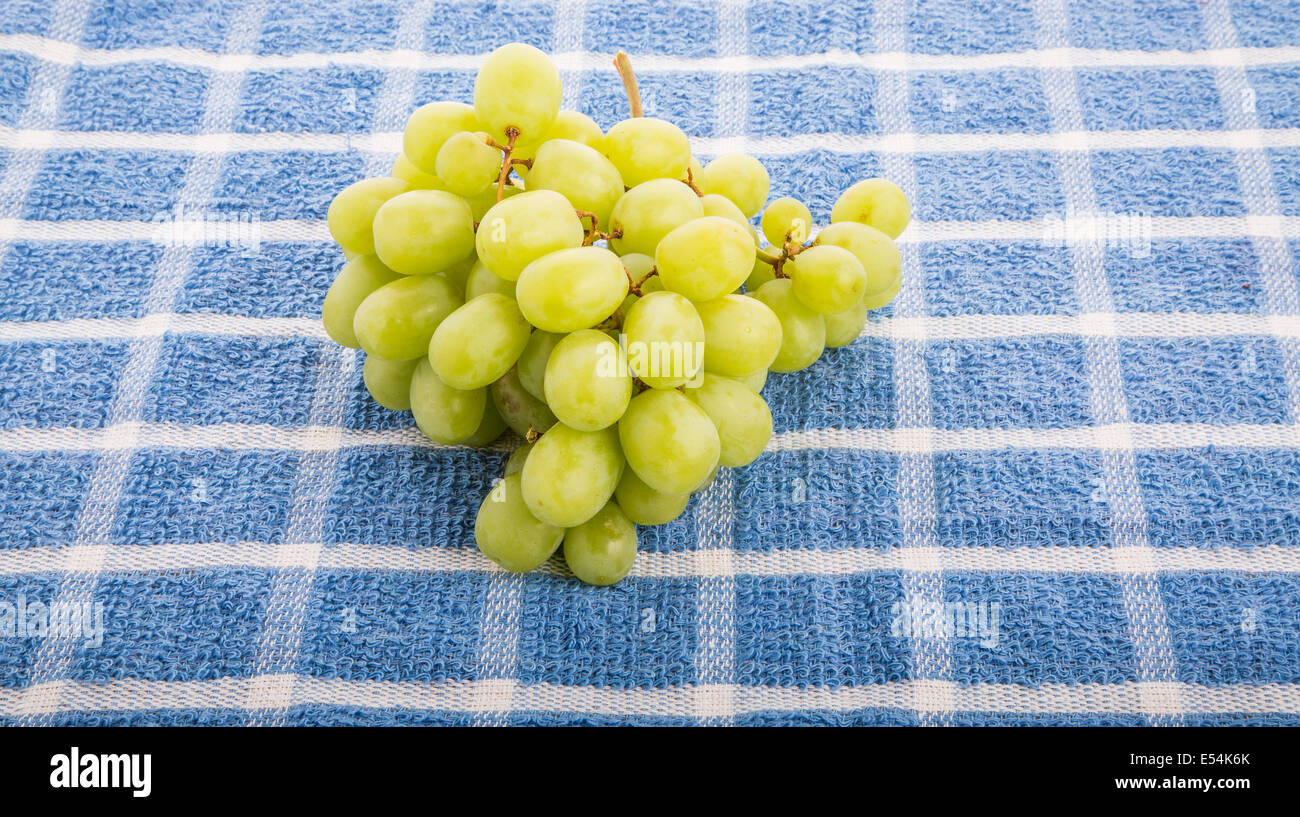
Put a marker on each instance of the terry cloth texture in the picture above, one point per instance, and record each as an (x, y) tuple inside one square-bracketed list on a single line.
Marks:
[(1057, 482)]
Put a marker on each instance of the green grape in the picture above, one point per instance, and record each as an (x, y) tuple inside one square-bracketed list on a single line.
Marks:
[(877, 300), (508, 534), (829, 279), (842, 328), (467, 165), (742, 418), (645, 148), (359, 277), (571, 289), (877, 203), (761, 274), (423, 232), (587, 384), (741, 178), (694, 172), (579, 173), (410, 172), (479, 342), (876, 251), (707, 481), (517, 87), (348, 255), (648, 212), (532, 363), (665, 340), (723, 207), (521, 229), (458, 274), (351, 216), (389, 381), (741, 335), (668, 440), (576, 127), (601, 550), (786, 216), (571, 474), (518, 408), (489, 428), (397, 320), (705, 258), (646, 506), (444, 414), (803, 332), (516, 462), (754, 380), (430, 126), (481, 281)]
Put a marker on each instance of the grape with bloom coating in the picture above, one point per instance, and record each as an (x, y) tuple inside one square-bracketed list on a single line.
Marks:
[(467, 165), (481, 281), (359, 277), (754, 380), (351, 216), (397, 320), (571, 474), (579, 173), (432, 125), (648, 212), (668, 440), (587, 384), (409, 172), (518, 408), (479, 342), (803, 332), (389, 381), (705, 258), (508, 534), (741, 335), (423, 232), (829, 279), (665, 340), (444, 414), (571, 289), (523, 228), (877, 203), (742, 418), (533, 360), (786, 216), (517, 87), (723, 207), (876, 251), (576, 127), (741, 178), (644, 505), (645, 148), (601, 550), (842, 328)]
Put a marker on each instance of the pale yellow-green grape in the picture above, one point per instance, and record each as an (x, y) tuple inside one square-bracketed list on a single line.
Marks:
[(577, 127), (479, 342), (444, 414), (877, 252), (517, 87), (410, 172), (587, 384), (571, 474), (705, 258), (648, 212), (489, 428), (742, 418), (348, 255), (645, 148), (423, 232), (668, 440), (786, 217), (571, 289), (518, 408), (389, 381), (430, 126), (467, 165), (877, 203), (508, 534), (580, 173), (665, 340), (525, 227), (723, 207), (533, 360), (754, 380), (707, 481), (646, 506), (351, 216), (480, 204), (741, 178), (458, 274), (761, 274), (829, 279), (842, 328), (803, 332), (601, 550), (359, 277), (516, 462), (481, 281), (875, 301), (741, 335), (397, 320)]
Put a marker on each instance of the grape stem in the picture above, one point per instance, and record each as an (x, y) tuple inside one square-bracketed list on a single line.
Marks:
[(634, 284), (533, 435), (624, 65), (689, 181), (789, 250), (512, 134), (593, 233)]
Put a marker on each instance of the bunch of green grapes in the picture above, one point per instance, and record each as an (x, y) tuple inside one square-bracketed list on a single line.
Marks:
[(601, 294)]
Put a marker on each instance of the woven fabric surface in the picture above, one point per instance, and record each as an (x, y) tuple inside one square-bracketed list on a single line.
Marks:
[(1056, 482)]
